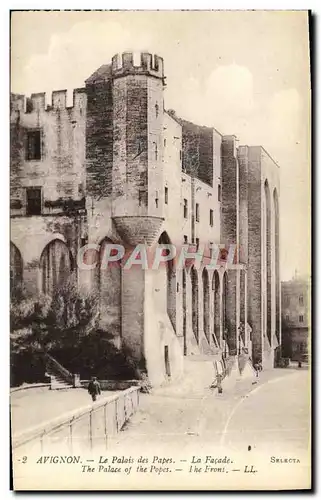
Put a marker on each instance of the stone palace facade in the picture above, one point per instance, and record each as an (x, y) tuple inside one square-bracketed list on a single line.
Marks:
[(118, 167)]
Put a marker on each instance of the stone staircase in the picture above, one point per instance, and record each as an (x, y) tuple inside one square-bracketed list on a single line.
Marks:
[(60, 377), (57, 382)]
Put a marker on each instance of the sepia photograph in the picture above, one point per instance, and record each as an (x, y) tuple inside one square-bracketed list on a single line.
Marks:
[(160, 250)]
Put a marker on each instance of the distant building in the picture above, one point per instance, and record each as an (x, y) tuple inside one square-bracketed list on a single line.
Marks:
[(295, 318)]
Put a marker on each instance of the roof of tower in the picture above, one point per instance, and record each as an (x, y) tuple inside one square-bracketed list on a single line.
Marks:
[(101, 74)]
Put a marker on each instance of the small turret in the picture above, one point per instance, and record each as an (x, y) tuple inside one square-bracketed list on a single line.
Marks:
[(123, 64)]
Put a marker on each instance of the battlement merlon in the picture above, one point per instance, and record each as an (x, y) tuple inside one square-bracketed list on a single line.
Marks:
[(37, 101), (123, 64), (17, 103)]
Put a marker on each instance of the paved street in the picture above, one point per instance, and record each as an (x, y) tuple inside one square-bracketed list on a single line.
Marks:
[(274, 412), (273, 416)]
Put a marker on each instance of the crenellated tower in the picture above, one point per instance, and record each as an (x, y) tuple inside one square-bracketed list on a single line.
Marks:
[(138, 110)]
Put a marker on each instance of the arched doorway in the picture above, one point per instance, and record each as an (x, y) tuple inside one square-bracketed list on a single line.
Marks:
[(170, 281), (206, 304), (16, 268), (277, 263), (268, 256), (109, 289), (195, 319), (217, 315), (56, 266)]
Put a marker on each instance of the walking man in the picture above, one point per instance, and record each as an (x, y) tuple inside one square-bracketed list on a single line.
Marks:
[(94, 388)]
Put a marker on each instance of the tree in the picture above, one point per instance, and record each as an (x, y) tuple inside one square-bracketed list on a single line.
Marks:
[(65, 326), (48, 322)]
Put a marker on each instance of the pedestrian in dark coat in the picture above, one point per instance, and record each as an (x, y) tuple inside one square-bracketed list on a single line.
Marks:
[(94, 388)]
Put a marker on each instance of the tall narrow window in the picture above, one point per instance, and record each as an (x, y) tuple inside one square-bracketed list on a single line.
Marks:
[(185, 208), (33, 201), (197, 243), (219, 192), (166, 195), (211, 218), (167, 362), (301, 300), (33, 145), (211, 249), (156, 110), (287, 317), (142, 197), (301, 318), (155, 151), (185, 239), (197, 212)]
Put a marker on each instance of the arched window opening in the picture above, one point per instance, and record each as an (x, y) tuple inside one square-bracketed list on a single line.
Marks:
[(16, 268), (195, 319), (55, 266), (217, 314), (184, 313), (206, 304), (224, 308)]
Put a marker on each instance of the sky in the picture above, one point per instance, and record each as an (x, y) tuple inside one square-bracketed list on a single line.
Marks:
[(244, 73)]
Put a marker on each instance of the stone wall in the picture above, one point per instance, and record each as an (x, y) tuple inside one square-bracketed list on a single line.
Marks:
[(99, 137), (230, 202), (259, 181), (60, 170), (197, 142)]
